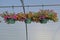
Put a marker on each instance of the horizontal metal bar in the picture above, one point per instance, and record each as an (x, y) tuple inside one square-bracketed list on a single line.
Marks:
[(30, 5)]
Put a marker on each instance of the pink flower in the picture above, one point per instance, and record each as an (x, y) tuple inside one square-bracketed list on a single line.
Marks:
[(42, 17), (5, 17), (9, 16), (14, 16)]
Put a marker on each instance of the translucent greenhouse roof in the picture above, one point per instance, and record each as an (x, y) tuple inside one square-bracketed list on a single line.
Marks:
[(27, 2), (36, 31)]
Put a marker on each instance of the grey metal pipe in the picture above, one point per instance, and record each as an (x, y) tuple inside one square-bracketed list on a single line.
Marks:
[(31, 5), (25, 23)]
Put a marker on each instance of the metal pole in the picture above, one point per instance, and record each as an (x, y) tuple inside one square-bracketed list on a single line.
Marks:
[(31, 5), (25, 23)]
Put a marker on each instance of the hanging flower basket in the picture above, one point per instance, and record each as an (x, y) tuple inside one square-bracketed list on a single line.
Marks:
[(21, 17), (10, 21), (28, 21), (43, 21), (43, 16)]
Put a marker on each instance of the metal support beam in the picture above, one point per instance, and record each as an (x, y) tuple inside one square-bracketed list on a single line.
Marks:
[(31, 5), (25, 23)]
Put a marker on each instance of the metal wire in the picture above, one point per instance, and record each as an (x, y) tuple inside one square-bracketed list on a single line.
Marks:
[(31, 5), (13, 9)]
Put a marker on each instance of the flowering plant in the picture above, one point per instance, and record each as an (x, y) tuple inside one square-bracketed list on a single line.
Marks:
[(43, 16)]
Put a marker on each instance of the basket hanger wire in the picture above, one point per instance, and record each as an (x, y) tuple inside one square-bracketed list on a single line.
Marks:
[(13, 9), (42, 8)]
